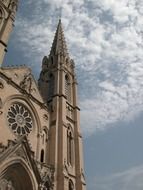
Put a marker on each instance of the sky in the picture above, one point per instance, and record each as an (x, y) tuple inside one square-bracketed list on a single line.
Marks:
[(105, 39)]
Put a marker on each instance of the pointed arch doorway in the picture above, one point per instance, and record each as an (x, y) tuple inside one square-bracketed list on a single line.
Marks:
[(16, 177)]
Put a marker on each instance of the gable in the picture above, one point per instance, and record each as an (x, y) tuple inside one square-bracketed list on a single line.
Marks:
[(19, 151), (21, 79), (18, 88)]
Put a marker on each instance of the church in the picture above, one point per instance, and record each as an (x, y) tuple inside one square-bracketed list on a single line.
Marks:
[(40, 139)]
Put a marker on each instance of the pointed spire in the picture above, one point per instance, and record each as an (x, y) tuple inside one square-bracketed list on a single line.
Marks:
[(59, 44)]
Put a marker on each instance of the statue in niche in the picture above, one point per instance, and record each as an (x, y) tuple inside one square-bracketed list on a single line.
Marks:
[(13, 6), (26, 83)]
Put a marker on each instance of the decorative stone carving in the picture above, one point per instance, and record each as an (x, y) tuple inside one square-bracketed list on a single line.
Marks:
[(6, 185), (47, 176), (45, 117), (65, 169), (45, 62), (72, 63), (82, 176), (13, 7), (26, 83), (2, 148), (19, 119), (69, 111), (15, 75), (33, 90), (42, 187)]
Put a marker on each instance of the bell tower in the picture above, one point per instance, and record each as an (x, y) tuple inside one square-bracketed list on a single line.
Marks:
[(8, 9), (58, 87)]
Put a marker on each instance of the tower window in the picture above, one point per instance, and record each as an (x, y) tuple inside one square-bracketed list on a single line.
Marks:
[(69, 147), (51, 86), (52, 60), (42, 156), (71, 186), (67, 88)]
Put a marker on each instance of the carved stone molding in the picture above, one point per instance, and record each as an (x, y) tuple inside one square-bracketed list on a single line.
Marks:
[(65, 169), (82, 176), (6, 184), (47, 176), (2, 148), (45, 117)]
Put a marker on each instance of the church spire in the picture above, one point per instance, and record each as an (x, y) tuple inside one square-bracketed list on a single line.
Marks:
[(59, 46), (8, 11)]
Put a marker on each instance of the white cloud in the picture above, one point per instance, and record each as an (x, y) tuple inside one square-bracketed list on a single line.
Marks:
[(125, 180), (105, 39)]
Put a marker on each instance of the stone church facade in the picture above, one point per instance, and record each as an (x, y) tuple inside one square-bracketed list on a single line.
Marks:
[(40, 139)]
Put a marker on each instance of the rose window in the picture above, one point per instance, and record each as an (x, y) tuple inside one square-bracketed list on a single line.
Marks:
[(19, 119)]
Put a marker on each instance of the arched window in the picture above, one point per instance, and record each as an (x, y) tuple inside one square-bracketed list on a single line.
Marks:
[(69, 147), (42, 156), (51, 86), (71, 186), (67, 88)]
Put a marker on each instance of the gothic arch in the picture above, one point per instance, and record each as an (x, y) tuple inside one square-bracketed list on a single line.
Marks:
[(17, 175)]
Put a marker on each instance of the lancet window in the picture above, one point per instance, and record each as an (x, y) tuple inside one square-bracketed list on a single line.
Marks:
[(42, 156), (70, 147), (67, 88), (71, 186)]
